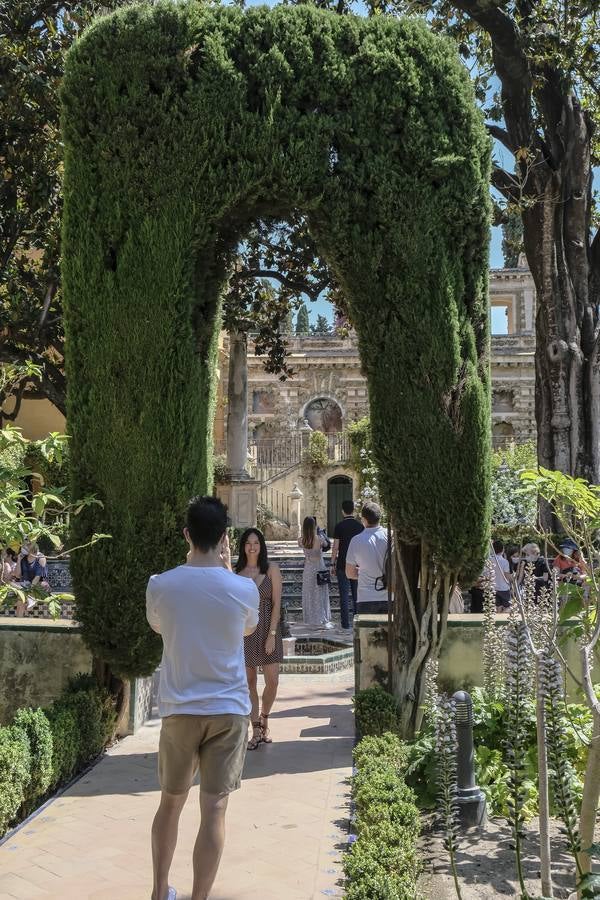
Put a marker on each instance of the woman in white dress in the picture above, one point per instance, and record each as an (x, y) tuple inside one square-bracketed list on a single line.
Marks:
[(315, 597)]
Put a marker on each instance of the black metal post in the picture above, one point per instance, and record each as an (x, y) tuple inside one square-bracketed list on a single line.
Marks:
[(471, 800)]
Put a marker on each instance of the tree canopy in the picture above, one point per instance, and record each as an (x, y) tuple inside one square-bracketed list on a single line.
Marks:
[(536, 71), (276, 264)]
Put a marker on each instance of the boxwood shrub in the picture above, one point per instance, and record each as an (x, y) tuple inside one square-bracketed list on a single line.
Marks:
[(43, 748), (36, 728), (375, 712), (15, 773), (65, 742), (382, 862)]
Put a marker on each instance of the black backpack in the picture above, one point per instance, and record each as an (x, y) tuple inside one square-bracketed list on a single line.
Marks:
[(323, 535), (381, 583)]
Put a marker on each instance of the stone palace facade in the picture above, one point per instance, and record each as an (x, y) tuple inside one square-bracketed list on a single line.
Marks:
[(328, 391)]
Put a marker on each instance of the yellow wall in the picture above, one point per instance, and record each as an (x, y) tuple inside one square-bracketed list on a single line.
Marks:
[(37, 418)]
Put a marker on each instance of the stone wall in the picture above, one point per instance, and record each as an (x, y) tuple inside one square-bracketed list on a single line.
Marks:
[(37, 658), (513, 357), (36, 661), (461, 659)]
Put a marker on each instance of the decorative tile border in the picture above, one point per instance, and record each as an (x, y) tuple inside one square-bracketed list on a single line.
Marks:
[(322, 664)]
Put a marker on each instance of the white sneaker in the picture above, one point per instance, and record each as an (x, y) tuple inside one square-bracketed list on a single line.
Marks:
[(172, 895), (329, 625)]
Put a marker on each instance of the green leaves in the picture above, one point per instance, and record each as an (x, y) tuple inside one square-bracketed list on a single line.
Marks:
[(589, 885), (573, 499), (375, 711), (30, 517), (340, 118), (382, 862)]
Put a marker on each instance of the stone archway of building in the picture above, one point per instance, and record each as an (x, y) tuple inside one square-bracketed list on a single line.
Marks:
[(339, 488), (183, 123), (503, 434)]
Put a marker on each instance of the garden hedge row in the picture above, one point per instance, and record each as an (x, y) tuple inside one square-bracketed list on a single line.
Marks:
[(43, 748), (183, 122), (382, 862)]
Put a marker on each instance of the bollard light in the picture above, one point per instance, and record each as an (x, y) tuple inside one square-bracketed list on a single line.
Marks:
[(471, 800)]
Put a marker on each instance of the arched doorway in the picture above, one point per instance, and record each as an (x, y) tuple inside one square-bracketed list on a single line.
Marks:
[(339, 488), (503, 434)]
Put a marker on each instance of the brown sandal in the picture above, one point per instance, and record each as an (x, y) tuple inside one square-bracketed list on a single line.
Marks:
[(266, 737), (257, 736)]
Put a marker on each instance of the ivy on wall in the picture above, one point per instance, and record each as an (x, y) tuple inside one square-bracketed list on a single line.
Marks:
[(181, 124)]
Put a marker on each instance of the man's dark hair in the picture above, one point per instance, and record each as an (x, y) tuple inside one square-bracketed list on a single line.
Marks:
[(348, 507), (206, 522), (371, 513), (498, 546)]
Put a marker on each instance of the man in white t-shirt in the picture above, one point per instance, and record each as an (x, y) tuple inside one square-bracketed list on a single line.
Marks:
[(202, 611), (501, 568), (365, 560)]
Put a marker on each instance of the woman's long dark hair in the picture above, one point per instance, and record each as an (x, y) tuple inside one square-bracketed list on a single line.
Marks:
[(309, 529), (263, 557)]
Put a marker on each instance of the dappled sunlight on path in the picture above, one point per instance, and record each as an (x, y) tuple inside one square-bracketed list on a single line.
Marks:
[(286, 826)]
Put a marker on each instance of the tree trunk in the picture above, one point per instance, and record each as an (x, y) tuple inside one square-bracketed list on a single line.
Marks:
[(420, 613), (589, 800), (556, 237)]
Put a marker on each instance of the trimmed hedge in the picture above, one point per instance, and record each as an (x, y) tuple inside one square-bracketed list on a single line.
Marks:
[(375, 712), (183, 122), (382, 863), (43, 748)]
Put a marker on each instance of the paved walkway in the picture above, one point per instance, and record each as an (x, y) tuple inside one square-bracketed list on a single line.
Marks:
[(286, 826)]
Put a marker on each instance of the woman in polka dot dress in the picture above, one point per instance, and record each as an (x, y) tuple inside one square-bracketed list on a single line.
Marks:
[(264, 647)]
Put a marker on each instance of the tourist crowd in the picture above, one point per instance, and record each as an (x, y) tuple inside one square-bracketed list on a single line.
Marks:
[(512, 565), (24, 568)]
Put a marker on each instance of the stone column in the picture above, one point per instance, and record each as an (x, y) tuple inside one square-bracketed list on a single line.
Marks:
[(529, 307), (237, 406), (296, 496), (240, 491)]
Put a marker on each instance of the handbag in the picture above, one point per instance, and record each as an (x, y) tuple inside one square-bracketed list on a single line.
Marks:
[(324, 577)]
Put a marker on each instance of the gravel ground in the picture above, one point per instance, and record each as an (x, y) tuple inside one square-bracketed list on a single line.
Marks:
[(486, 863)]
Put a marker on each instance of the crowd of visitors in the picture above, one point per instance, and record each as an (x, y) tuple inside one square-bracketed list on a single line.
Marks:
[(512, 565), (24, 568), (219, 626), (358, 561)]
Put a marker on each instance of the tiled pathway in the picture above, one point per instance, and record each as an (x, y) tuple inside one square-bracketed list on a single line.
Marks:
[(286, 826)]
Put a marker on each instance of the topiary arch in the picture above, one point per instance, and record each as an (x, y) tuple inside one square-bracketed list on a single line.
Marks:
[(181, 124)]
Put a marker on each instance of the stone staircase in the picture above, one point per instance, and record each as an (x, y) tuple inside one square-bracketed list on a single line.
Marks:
[(290, 559), (286, 554)]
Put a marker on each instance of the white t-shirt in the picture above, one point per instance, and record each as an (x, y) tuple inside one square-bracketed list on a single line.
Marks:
[(202, 613), (501, 568), (367, 551)]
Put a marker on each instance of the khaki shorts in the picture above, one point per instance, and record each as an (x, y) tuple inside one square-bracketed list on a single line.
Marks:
[(216, 745)]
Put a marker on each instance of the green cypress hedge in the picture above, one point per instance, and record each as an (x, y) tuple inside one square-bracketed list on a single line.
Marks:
[(43, 748), (181, 124)]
